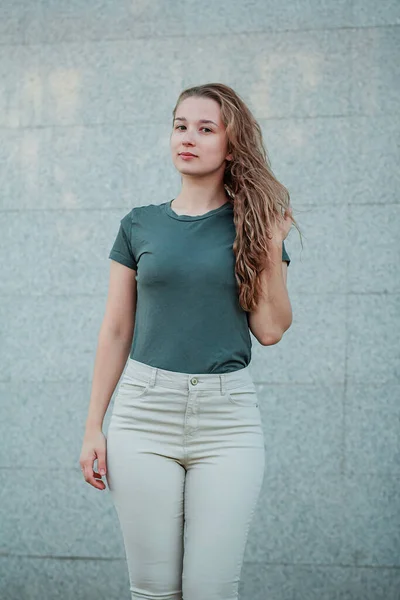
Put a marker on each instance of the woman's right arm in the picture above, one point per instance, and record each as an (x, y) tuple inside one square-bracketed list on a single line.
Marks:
[(114, 343)]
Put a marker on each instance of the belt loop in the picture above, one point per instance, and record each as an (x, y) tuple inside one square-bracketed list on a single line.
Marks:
[(222, 382), (153, 375)]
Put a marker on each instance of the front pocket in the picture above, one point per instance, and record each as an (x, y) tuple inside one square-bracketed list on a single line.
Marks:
[(133, 387), (244, 396)]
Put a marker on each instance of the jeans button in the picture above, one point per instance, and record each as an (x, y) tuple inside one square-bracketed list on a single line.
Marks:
[(194, 381)]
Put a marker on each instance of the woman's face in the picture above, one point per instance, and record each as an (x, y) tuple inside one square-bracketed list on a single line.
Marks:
[(206, 140)]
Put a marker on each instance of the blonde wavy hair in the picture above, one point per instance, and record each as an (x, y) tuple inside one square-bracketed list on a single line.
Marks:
[(258, 198)]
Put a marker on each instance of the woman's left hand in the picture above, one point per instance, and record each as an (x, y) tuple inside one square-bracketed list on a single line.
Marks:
[(283, 226)]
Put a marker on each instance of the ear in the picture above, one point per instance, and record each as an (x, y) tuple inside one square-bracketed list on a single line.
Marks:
[(228, 157)]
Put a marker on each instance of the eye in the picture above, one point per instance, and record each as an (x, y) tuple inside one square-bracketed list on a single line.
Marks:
[(208, 129)]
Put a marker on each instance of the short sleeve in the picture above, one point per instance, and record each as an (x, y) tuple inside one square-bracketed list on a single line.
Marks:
[(121, 250), (285, 255)]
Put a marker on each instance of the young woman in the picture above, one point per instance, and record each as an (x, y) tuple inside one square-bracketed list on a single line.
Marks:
[(189, 279)]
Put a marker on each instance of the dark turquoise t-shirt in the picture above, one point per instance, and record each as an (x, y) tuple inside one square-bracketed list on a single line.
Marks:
[(188, 317)]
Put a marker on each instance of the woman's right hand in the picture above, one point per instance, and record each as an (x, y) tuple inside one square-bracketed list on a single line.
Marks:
[(94, 446)]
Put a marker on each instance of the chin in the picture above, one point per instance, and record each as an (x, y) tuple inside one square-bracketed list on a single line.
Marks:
[(186, 168)]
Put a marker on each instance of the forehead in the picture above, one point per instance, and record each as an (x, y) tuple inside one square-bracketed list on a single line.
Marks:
[(195, 108)]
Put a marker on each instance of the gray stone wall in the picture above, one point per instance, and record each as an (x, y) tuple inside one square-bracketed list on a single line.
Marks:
[(86, 94)]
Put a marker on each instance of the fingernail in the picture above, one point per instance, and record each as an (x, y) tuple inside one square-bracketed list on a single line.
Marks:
[(102, 472)]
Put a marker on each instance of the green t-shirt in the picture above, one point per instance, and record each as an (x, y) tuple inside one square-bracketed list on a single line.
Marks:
[(188, 317)]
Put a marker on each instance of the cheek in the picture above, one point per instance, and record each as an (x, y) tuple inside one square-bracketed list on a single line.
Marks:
[(215, 152), (173, 145)]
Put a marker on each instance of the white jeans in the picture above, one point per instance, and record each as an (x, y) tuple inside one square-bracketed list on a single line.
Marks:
[(185, 465)]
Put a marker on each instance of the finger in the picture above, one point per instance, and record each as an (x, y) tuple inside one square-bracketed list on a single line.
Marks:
[(100, 485), (100, 472), (101, 462), (89, 478)]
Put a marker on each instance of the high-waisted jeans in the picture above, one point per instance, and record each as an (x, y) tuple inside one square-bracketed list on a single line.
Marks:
[(185, 465)]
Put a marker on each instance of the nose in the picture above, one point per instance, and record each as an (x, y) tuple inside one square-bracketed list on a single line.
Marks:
[(187, 137)]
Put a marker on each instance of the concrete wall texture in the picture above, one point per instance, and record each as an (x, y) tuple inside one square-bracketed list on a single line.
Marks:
[(87, 90)]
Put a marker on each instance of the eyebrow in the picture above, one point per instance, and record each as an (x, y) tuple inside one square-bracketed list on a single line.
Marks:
[(199, 121)]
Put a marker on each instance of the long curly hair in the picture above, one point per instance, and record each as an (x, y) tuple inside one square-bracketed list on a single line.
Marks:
[(258, 198)]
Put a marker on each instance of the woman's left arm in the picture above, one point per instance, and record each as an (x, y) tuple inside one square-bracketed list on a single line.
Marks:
[(273, 315)]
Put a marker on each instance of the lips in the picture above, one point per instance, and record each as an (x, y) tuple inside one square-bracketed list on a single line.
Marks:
[(186, 154)]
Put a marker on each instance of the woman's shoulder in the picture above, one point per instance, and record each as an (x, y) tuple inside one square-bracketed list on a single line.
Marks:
[(142, 209), (146, 208), (142, 215)]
